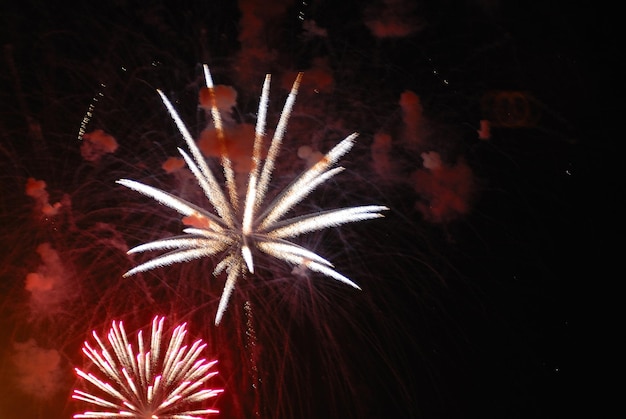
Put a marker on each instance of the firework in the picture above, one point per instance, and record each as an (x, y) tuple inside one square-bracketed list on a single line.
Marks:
[(156, 381), (234, 230)]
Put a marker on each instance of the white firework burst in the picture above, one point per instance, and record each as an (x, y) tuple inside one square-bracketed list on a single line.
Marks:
[(156, 382), (233, 230)]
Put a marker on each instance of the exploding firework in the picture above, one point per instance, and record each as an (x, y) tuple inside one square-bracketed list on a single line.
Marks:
[(162, 379), (256, 226)]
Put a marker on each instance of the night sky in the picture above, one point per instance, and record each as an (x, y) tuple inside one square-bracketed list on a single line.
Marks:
[(479, 285)]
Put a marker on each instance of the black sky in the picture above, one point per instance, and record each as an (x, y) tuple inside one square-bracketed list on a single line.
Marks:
[(503, 338)]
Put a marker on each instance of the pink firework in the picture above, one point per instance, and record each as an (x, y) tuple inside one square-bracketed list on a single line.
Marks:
[(164, 380)]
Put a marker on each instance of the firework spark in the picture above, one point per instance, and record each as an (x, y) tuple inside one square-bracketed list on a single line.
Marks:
[(163, 382), (235, 230)]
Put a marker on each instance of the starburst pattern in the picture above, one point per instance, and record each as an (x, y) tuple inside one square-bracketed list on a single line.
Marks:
[(151, 383), (234, 230)]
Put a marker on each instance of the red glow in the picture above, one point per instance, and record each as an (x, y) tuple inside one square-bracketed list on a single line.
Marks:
[(446, 191)]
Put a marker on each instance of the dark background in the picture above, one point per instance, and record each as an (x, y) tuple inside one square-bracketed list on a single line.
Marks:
[(503, 329)]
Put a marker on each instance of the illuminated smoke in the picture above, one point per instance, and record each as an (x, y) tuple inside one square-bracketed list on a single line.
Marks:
[(311, 29), (48, 287), (239, 139), (96, 144), (258, 25), (309, 155), (38, 370), (392, 19), (412, 116), (381, 160), (445, 190), (319, 79), (173, 164), (484, 133), (225, 100), (36, 189)]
